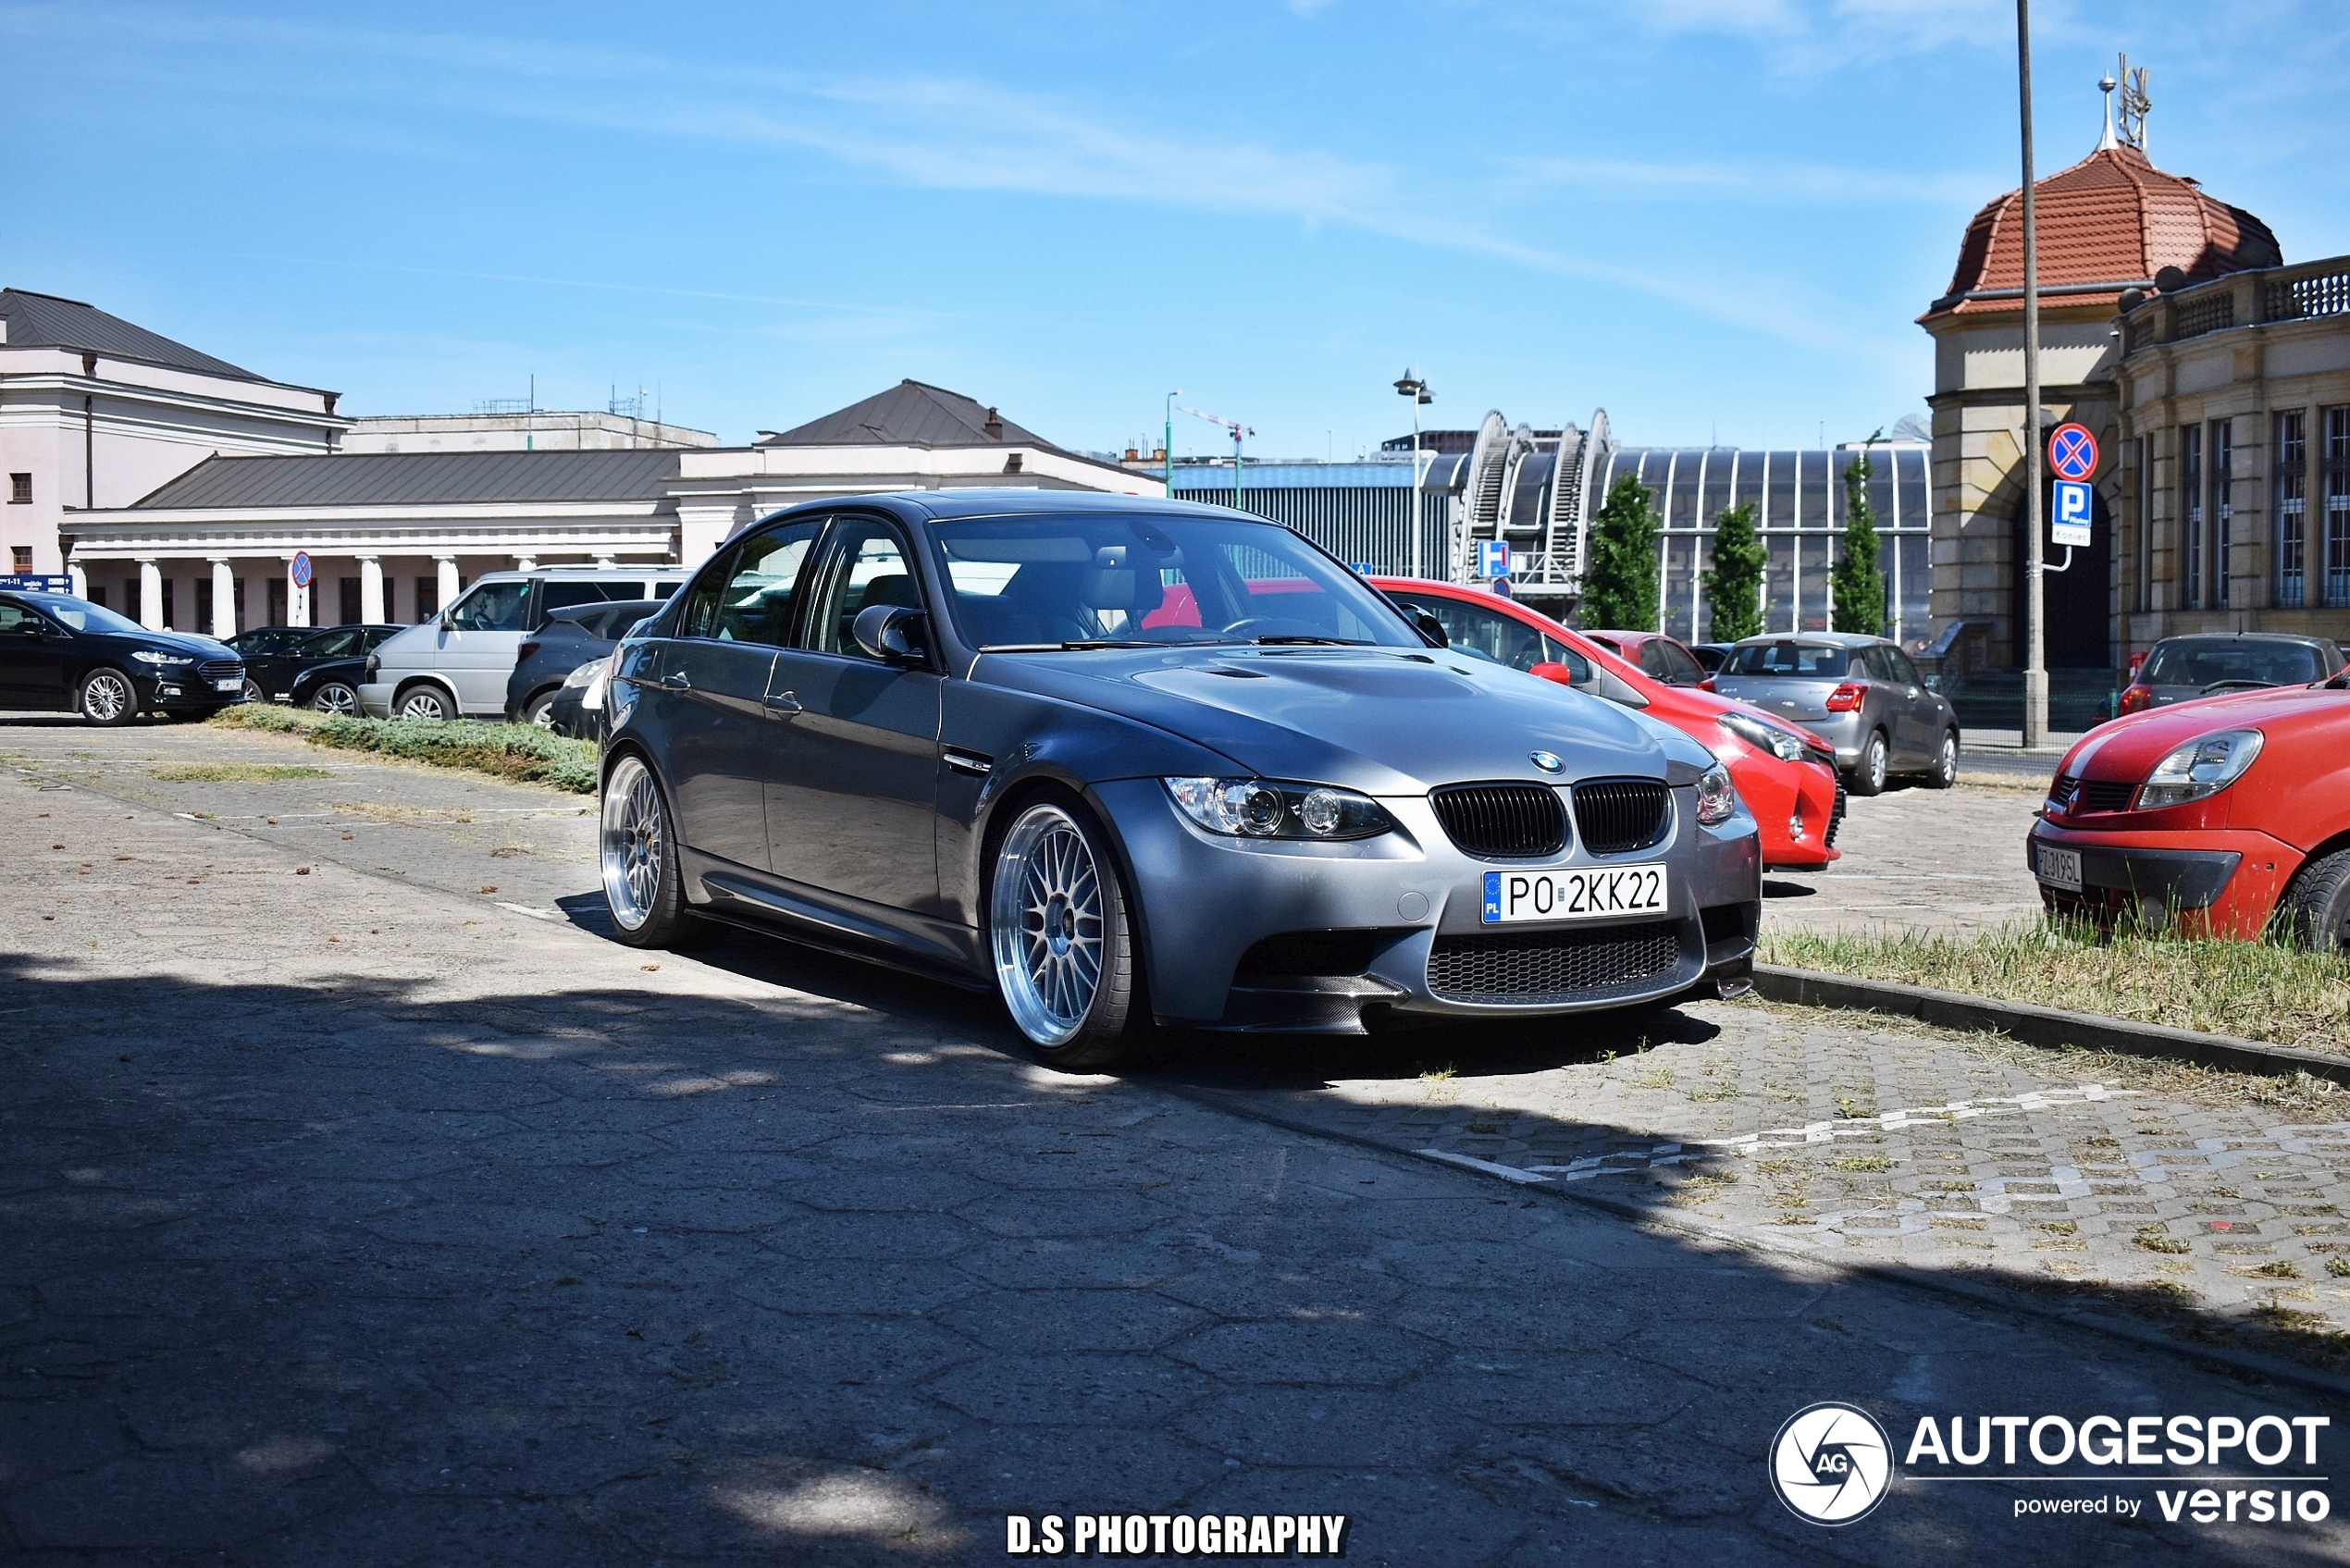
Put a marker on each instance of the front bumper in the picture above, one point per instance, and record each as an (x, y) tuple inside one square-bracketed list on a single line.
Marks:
[(1279, 935), (375, 699), (167, 689), (2220, 883), (1781, 795)]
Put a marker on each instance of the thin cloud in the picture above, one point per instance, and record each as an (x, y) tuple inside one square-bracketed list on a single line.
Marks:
[(1759, 184)]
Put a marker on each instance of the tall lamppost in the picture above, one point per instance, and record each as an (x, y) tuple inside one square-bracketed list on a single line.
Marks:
[(1411, 386), (2035, 672), (1167, 449)]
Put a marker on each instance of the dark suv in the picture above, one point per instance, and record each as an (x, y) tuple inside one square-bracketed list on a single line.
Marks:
[(568, 638), (62, 653)]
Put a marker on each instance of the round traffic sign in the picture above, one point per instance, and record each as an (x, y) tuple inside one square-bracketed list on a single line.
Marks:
[(300, 571), (2072, 451)]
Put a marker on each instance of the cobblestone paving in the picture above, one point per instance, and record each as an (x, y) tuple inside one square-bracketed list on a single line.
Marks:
[(1929, 859), (1801, 1132)]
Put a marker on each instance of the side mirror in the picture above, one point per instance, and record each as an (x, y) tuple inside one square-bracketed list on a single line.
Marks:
[(1430, 628), (1706, 684), (895, 634), (1933, 682), (1551, 670)]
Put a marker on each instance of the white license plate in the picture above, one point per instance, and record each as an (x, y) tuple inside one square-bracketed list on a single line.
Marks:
[(229, 685), (1512, 896), (2058, 868)]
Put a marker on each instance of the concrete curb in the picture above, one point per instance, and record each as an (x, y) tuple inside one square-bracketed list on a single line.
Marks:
[(2043, 1025)]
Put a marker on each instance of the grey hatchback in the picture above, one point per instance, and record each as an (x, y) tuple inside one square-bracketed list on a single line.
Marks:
[(1859, 694), (2205, 665)]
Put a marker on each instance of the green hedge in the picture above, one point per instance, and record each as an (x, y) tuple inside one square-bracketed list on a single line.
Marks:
[(506, 751)]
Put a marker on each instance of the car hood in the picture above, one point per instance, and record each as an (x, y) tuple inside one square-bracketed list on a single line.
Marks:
[(1385, 722), (185, 643), (2126, 749)]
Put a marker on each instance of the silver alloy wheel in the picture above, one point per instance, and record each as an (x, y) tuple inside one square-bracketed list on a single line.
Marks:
[(107, 698), (632, 842), (253, 692), (1045, 921), (425, 702), (542, 713), (1874, 762), (335, 697), (1946, 767)]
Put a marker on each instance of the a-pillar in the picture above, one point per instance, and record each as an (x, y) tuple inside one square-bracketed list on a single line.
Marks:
[(445, 589), (150, 594), (224, 598), (371, 590)]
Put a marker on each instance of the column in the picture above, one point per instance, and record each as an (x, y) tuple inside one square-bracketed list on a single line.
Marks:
[(371, 590), (81, 579), (224, 598), (445, 570), (606, 560), (150, 594), (526, 563)]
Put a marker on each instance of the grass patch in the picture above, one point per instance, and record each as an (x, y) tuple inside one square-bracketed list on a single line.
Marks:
[(238, 772), (521, 752), (2255, 990)]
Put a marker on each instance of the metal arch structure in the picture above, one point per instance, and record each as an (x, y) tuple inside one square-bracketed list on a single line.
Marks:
[(1552, 545)]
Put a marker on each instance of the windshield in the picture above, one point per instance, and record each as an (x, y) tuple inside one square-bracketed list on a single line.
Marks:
[(83, 616), (1787, 661), (1048, 581), (2192, 662)]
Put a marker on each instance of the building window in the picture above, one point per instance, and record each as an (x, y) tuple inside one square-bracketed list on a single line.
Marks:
[(203, 605), (98, 595), (2141, 518), (2337, 494), (2293, 508), (427, 597), (20, 489), (2223, 470), (350, 587), (277, 591), (2191, 513), (20, 557)]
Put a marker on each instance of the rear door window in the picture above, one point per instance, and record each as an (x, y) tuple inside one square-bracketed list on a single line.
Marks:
[(865, 565), (1903, 671), (748, 594)]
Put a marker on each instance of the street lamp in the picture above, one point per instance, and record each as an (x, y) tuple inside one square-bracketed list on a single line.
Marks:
[(1167, 449), (1411, 386)]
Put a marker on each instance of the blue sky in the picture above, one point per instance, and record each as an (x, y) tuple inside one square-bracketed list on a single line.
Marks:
[(1706, 215)]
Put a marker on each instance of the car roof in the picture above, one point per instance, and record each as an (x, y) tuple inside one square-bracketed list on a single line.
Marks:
[(2247, 636), (1815, 639), (569, 573), (576, 612), (999, 501)]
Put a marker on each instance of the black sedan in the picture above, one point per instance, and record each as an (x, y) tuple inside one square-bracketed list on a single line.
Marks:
[(566, 639), (1121, 760), (64, 654), (287, 663)]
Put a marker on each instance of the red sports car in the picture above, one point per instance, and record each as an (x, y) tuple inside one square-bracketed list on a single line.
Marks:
[(2222, 814), (1786, 776)]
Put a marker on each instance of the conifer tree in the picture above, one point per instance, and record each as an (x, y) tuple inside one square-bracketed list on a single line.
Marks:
[(1619, 585), (1734, 588), (1856, 585)]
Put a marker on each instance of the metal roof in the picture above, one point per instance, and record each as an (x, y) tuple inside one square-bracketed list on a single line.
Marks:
[(46, 321), (912, 414), (421, 478)]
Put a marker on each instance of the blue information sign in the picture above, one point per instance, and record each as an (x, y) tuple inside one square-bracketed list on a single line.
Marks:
[(38, 583), (1492, 557), (2069, 523)]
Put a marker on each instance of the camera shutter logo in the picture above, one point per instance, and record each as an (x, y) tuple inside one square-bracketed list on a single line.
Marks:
[(1831, 1463)]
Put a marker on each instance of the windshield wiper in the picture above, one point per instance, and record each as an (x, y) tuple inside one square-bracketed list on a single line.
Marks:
[(1064, 646), (1299, 638)]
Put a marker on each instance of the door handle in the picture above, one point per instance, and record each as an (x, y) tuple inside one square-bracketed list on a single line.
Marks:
[(783, 705), (676, 680)]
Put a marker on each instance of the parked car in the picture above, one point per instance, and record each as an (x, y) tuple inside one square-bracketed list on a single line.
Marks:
[(1785, 774), (567, 639), (280, 661), (982, 733), (2227, 815), (458, 663), (1861, 694), (1662, 657), (62, 653), (1710, 654), (577, 710), (2202, 665)]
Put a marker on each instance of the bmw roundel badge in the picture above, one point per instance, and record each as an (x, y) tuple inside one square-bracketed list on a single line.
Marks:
[(1548, 761)]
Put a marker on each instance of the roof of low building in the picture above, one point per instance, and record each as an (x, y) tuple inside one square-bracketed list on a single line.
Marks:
[(421, 479), (912, 414), (2111, 218), (48, 321)]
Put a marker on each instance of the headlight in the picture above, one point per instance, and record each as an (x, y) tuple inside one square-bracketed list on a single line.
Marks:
[(149, 655), (1271, 808), (1785, 745), (2199, 768), (584, 674), (1715, 798)]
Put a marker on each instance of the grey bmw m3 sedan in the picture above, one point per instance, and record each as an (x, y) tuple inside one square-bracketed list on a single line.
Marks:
[(1124, 760)]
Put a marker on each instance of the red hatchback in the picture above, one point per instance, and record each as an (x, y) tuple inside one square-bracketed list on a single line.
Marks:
[(1786, 776), (2221, 814)]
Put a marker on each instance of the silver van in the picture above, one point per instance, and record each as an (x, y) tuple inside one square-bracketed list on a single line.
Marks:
[(457, 662)]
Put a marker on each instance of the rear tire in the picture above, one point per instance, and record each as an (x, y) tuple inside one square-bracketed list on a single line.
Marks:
[(637, 848), (1868, 774), (107, 697), (423, 701), (2315, 911), (1060, 938), (536, 711), (1945, 771)]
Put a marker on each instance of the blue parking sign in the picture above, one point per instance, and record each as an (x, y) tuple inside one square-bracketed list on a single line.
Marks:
[(2070, 525), (1492, 557)]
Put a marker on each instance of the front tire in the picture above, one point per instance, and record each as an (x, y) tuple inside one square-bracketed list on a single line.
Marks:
[(1945, 771), (1868, 774), (2315, 911), (1060, 938), (108, 698), (426, 701), (338, 697), (637, 848), (540, 711)]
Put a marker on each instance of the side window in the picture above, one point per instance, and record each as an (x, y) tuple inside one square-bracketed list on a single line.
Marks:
[(1486, 633), (755, 602), (492, 607), (864, 565), (1681, 667), (1578, 669), (1879, 667), (17, 621), (1653, 660), (338, 644), (1903, 671), (561, 595), (703, 595)]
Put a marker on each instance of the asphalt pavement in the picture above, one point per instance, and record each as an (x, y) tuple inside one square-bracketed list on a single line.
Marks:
[(352, 1213)]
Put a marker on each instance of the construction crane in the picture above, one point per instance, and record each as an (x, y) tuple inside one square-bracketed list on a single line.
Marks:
[(1237, 430)]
